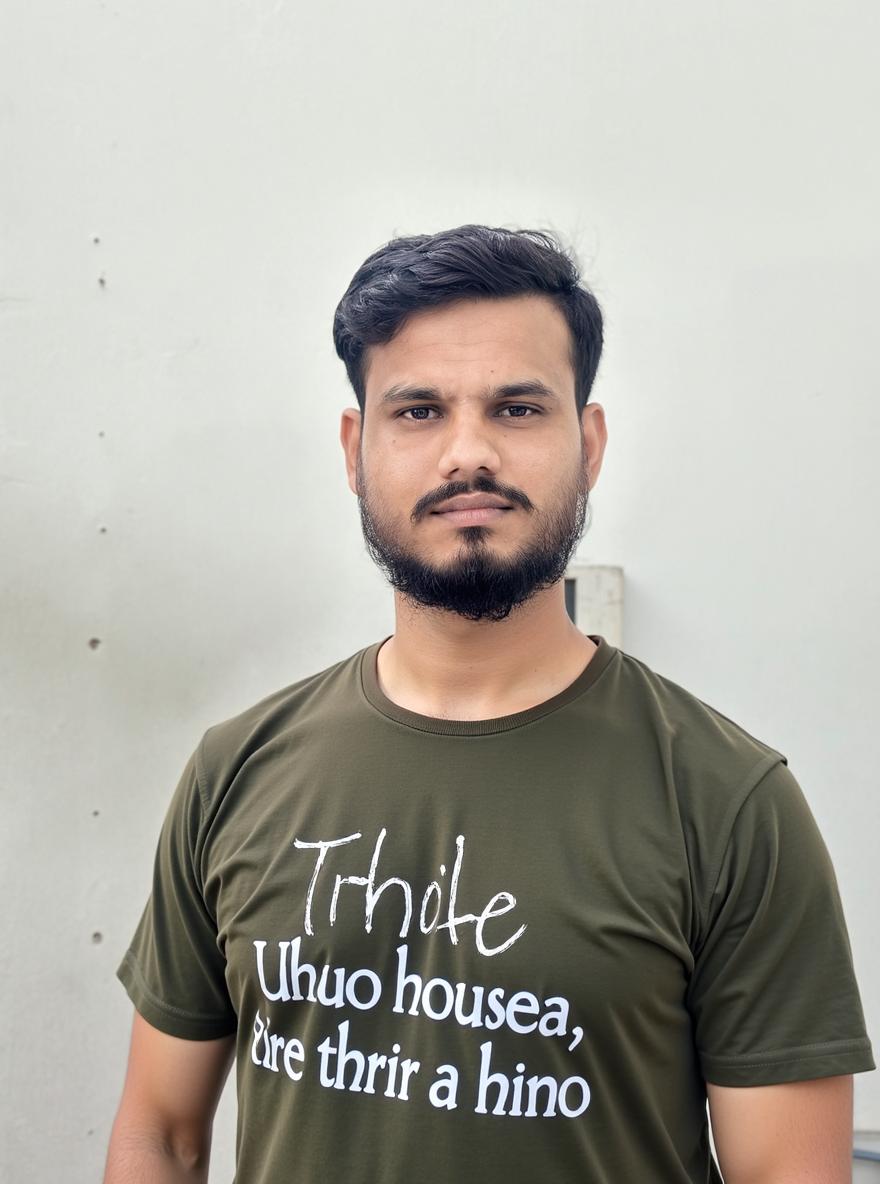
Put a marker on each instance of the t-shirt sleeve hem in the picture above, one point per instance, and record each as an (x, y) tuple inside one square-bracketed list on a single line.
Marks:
[(174, 1021), (835, 1058)]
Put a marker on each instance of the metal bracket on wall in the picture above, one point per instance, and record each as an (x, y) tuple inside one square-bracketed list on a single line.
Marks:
[(594, 599), (866, 1145), (866, 1157)]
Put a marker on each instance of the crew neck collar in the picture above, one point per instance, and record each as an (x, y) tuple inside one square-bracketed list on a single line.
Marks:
[(377, 698)]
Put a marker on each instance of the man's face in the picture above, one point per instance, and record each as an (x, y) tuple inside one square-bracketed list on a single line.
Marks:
[(471, 462)]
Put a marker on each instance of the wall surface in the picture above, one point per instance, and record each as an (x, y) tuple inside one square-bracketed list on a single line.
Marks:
[(187, 190)]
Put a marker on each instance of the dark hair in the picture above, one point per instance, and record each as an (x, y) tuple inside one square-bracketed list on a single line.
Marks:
[(469, 262)]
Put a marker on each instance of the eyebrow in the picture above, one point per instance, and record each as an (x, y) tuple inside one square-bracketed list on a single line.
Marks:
[(406, 392)]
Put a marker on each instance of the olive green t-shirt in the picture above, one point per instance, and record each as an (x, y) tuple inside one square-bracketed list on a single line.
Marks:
[(502, 950)]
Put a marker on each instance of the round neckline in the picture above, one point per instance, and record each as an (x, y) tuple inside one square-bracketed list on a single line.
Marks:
[(377, 698)]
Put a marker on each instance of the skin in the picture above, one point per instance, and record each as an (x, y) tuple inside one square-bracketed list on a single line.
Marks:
[(437, 663), (800, 1133), (162, 1130), (442, 665)]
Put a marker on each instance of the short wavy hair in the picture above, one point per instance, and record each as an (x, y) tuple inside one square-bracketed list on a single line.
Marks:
[(475, 262)]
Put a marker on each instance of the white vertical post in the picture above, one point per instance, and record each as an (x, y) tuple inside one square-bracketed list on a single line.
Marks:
[(598, 599)]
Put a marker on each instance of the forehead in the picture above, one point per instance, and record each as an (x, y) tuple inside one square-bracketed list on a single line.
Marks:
[(475, 343)]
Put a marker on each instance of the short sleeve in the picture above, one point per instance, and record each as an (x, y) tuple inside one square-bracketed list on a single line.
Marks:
[(773, 994), (174, 969)]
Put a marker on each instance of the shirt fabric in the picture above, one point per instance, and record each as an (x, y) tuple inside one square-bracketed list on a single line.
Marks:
[(499, 950)]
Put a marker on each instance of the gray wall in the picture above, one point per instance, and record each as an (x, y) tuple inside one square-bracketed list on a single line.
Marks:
[(186, 192)]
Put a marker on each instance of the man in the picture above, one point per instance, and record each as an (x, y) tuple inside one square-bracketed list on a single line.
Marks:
[(489, 900)]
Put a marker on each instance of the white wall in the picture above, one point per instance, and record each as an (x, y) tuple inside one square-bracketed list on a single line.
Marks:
[(186, 192)]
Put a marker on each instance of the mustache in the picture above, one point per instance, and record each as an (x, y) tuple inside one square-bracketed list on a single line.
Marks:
[(480, 485)]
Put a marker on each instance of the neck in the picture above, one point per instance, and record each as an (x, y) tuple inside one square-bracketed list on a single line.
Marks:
[(440, 664)]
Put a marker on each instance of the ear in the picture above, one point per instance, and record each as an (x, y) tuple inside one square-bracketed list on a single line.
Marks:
[(595, 438), (350, 437)]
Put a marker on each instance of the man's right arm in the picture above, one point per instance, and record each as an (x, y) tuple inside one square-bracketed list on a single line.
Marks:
[(162, 1131)]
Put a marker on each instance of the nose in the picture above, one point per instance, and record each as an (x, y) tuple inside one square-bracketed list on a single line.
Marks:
[(468, 447)]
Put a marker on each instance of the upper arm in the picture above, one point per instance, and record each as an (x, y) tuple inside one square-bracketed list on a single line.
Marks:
[(172, 1086), (797, 1133)]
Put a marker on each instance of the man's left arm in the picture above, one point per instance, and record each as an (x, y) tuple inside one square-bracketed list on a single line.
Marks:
[(797, 1133), (778, 1022)]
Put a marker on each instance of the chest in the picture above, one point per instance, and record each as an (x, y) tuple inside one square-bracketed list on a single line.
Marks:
[(486, 883)]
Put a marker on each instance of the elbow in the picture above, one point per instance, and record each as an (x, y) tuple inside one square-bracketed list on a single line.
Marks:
[(172, 1152)]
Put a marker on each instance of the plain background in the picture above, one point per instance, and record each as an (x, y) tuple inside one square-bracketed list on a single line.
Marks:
[(187, 190)]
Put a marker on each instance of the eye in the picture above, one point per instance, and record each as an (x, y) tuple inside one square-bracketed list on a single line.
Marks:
[(519, 411), (419, 414)]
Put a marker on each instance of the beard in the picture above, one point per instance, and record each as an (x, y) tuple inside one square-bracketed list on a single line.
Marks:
[(478, 584)]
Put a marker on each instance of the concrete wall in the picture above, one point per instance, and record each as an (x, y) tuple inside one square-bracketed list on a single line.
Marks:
[(187, 190)]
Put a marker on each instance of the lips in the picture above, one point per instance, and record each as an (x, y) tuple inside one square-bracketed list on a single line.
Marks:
[(482, 501)]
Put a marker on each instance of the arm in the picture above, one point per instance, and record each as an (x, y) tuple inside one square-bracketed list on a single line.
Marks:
[(162, 1131), (798, 1133)]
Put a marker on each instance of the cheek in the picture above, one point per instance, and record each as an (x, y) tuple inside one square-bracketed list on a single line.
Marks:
[(390, 466), (551, 481), (391, 484)]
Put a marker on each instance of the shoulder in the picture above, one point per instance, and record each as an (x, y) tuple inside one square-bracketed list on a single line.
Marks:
[(307, 707), (712, 761), (710, 773), (686, 719)]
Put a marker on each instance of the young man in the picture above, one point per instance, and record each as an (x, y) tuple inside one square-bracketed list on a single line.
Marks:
[(489, 900)]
